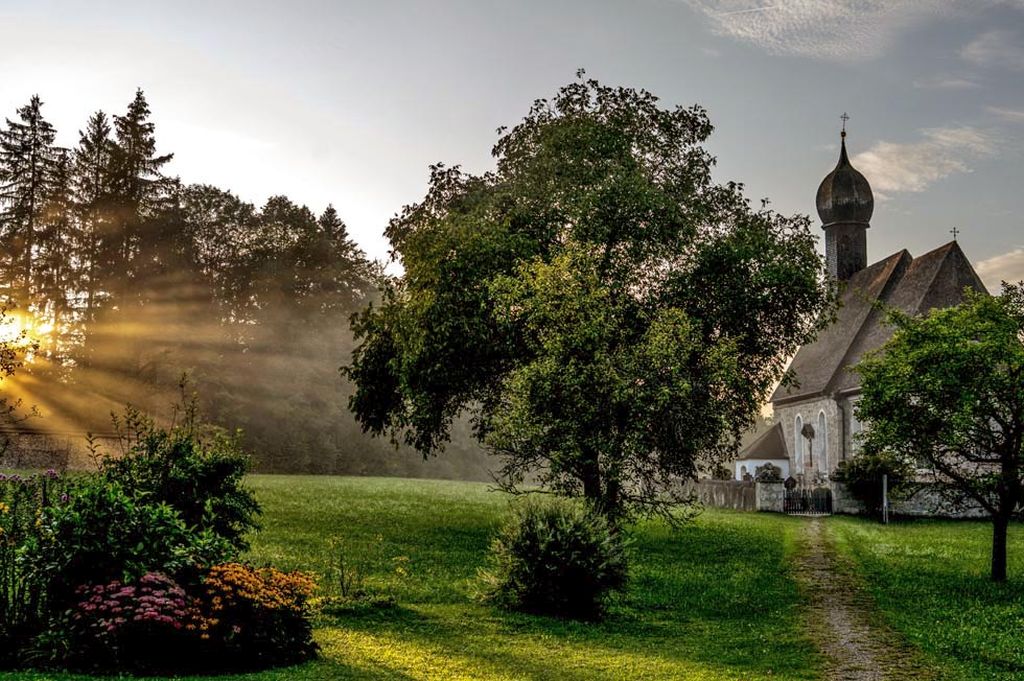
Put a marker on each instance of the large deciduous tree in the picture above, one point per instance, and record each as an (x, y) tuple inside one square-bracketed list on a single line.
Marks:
[(611, 316), (947, 393)]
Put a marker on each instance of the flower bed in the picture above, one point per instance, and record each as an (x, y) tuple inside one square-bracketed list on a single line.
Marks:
[(134, 568)]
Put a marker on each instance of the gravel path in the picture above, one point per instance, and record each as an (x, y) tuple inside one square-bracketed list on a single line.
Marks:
[(856, 647)]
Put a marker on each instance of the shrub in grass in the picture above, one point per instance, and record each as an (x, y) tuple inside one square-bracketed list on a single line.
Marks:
[(345, 590), (555, 557), (256, 618)]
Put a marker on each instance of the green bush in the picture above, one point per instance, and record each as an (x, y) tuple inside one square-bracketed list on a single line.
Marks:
[(199, 475), (101, 534), (768, 473), (862, 476), (555, 557), (119, 569)]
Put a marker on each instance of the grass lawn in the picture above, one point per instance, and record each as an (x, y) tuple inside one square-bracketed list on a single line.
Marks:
[(713, 601), (930, 581)]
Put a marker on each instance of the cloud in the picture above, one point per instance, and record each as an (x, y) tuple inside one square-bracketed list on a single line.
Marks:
[(946, 83), (1008, 115), (1006, 267), (831, 29), (999, 48), (911, 167)]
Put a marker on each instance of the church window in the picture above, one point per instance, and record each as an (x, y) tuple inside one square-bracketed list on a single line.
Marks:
[(798, 442), (856, 427), (821, 440)]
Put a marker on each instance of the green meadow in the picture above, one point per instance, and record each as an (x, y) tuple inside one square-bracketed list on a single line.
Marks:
[(714, 600), (929, 580)]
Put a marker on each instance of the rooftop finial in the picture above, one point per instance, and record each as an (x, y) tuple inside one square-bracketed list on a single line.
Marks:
[(844, 118), (955, 232)]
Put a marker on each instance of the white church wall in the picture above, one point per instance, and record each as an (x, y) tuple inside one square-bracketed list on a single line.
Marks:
[(751, 465), (834, 436)]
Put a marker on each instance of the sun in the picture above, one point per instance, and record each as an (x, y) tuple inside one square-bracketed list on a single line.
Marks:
[(12, 328), (22, 330)]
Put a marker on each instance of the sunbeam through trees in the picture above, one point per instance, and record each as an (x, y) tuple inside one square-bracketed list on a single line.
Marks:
[(124, 277)]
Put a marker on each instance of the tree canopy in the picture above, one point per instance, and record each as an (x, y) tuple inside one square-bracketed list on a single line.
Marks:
[(611, 316), (946, 393)]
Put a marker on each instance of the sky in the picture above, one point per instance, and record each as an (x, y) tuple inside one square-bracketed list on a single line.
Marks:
[(349, 102)]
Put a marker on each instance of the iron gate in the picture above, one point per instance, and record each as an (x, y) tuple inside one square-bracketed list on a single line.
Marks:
[(817, 501)]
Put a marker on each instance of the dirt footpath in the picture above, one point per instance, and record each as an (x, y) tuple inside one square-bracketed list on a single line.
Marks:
[(841, 616)]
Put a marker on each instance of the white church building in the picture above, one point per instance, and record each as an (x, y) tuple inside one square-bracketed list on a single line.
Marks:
[(814, 420)]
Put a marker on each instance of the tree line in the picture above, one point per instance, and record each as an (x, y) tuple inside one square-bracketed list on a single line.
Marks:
[(126, 276)]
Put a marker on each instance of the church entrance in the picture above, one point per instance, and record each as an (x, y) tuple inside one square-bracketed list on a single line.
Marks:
[(808, 502)]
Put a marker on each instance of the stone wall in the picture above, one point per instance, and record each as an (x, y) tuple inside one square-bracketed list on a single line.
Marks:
[(926, 503), (738, 495), (734, 494), (843, 502), (770, 496), (40, 450)]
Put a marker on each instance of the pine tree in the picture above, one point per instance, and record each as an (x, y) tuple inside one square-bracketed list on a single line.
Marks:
[(331, 223), (57, 240), (27, 159), (341, 267), (136, 183), (92, 196)]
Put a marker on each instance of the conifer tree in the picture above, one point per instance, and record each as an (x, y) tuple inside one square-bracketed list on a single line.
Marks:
[(92, 194), (344, 272), (136, 183), (27, 159), (55, 264)]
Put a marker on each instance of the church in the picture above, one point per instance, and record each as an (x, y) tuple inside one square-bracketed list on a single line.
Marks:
[(814, 424)]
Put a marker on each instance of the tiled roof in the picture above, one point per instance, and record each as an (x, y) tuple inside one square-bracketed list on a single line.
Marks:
[(771, 445), (914, 285)]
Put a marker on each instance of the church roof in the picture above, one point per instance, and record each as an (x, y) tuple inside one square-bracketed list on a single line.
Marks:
[(914, 285), (771, 445)]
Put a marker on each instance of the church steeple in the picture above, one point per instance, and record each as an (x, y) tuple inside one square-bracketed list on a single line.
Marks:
[(845, 205)]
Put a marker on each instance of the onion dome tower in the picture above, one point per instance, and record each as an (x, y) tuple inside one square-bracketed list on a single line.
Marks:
[(845, 205)]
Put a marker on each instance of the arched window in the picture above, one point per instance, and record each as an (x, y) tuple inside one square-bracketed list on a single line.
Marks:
[(821, 439), (798, 442), (855, 429)]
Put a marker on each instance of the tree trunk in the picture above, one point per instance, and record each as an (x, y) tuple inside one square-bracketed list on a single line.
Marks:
[(1000, 523), (591, 477)]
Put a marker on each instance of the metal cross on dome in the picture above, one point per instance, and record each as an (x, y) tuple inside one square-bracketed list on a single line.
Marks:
[(844, 118), (954, 232)]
